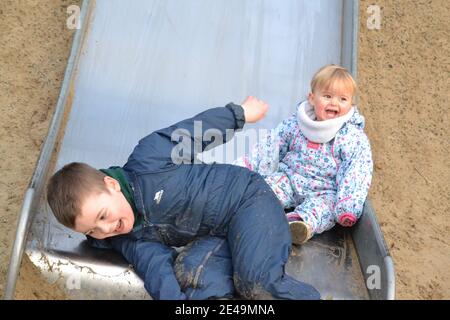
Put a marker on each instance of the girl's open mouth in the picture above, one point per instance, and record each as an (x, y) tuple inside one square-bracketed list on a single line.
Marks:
[(331, 113)]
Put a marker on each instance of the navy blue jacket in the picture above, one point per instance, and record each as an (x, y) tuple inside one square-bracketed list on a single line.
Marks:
[(178, 202)]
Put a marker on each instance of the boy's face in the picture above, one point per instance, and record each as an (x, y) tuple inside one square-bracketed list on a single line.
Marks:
[(106, 214), (332, 102)]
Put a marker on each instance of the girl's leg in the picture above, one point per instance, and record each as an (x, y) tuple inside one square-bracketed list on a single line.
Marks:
[(317, 213), (281, 186)]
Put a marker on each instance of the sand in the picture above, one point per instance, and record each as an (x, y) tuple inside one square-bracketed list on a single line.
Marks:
[(403, 75), (404, 71), (34, 47)]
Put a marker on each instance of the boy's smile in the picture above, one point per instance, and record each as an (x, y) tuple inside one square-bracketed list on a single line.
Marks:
[(332, 102), (106, 214)]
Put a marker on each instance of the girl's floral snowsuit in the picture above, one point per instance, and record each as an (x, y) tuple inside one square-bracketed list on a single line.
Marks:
[(324, 182)]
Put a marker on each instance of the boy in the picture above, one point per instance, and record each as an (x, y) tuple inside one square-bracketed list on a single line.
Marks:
[(228, 218)]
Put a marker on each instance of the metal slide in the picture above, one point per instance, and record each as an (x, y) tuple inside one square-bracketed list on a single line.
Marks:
[(141, 65)]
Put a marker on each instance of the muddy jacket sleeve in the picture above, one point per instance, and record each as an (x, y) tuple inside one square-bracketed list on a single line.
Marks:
[(181, 142), (353, 178), (152, 261)]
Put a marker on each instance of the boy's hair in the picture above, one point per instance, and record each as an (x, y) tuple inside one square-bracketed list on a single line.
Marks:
[(330, 73), (69, 187)]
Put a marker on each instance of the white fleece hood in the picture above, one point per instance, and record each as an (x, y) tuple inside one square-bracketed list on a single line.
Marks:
[(320, 131)]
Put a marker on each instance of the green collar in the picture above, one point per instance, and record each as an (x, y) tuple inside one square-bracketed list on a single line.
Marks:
[(118, 174)]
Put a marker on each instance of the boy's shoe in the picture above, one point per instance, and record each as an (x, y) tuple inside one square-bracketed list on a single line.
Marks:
[(300, 231)]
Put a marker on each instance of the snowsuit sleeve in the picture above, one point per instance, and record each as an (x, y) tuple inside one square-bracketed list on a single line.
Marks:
[(181, 142), (354, 177), (152, 261), (267, 153)]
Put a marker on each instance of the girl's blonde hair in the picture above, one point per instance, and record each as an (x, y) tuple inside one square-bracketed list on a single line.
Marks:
[(329, 75)]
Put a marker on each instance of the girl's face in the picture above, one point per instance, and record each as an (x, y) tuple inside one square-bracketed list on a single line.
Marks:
[(331, 102)]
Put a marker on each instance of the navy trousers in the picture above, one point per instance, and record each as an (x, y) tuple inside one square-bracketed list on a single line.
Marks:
[(249, 259)]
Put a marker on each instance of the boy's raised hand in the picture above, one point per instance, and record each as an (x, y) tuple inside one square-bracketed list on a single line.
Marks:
[(254, 109)]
